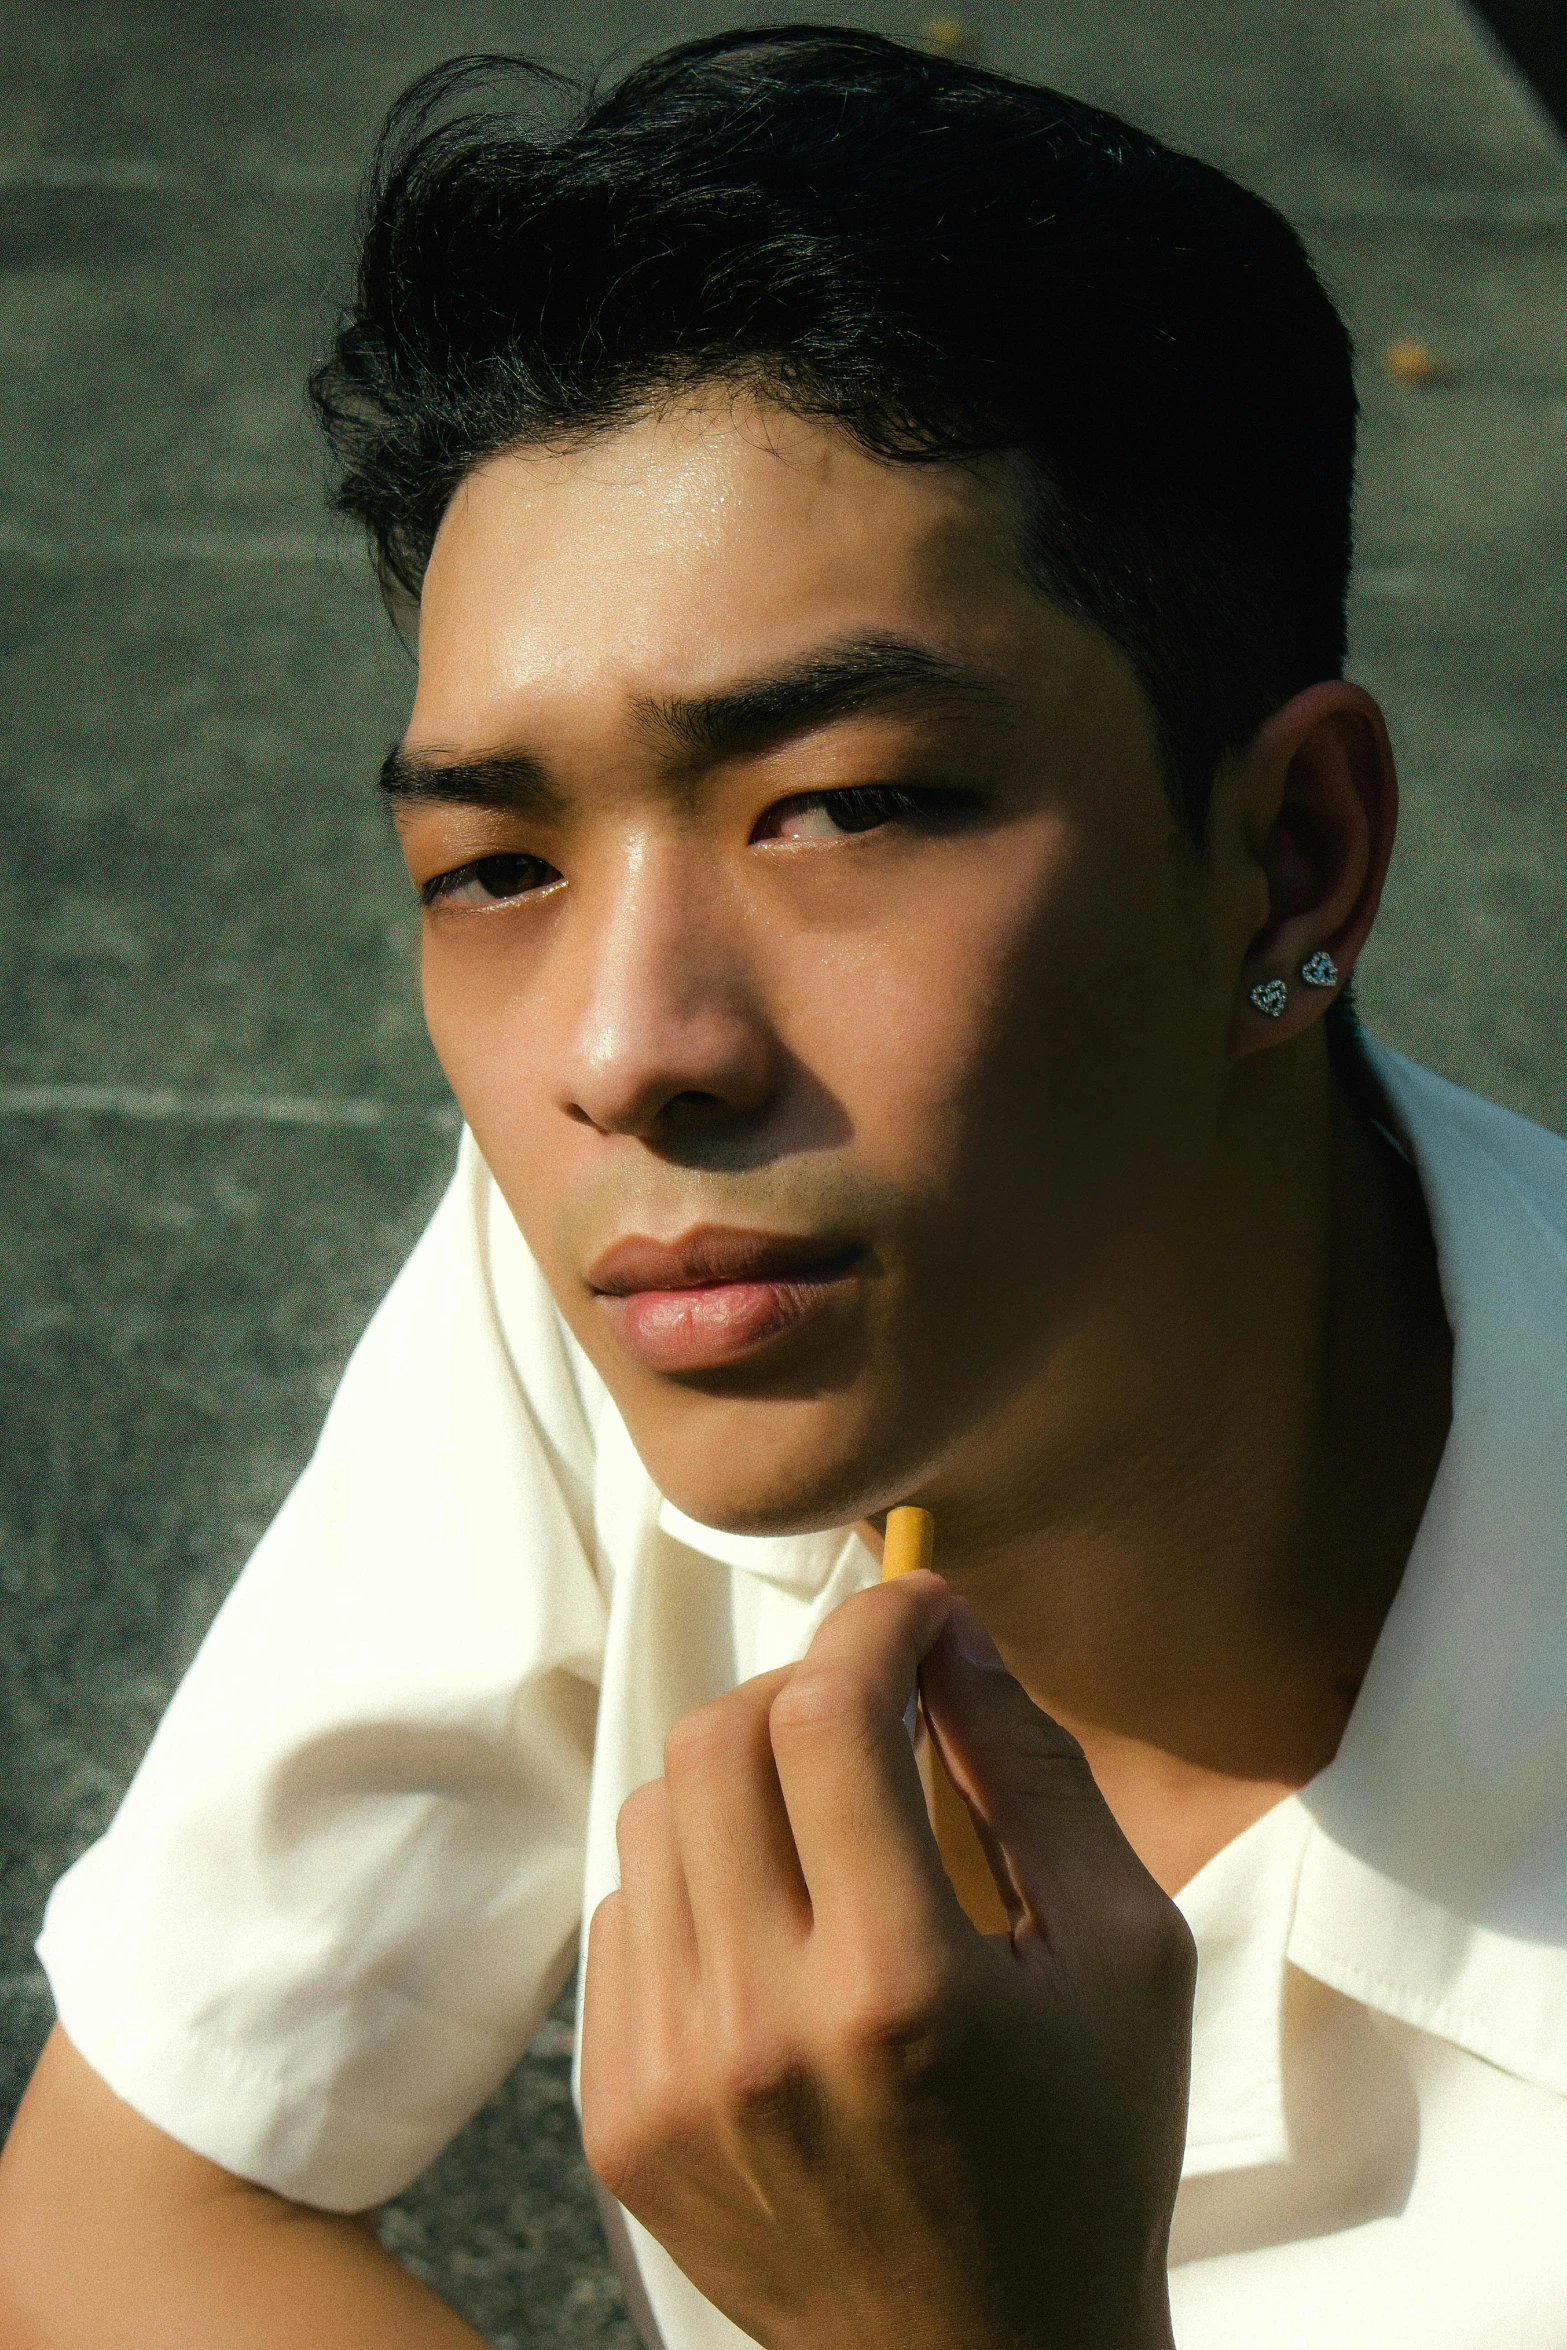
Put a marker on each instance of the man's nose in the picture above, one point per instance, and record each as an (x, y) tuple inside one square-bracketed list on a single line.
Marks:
[(669, 1035)]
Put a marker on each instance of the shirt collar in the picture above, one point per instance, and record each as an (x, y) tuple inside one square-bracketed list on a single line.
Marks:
[(1435, 1884), (802, 1563), (1240, 1908), (1432, 1879)]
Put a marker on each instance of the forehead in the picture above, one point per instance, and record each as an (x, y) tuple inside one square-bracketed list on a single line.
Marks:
[(697, 545)]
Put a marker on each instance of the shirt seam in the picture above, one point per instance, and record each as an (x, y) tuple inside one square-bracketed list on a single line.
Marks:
[(1444, 2019)]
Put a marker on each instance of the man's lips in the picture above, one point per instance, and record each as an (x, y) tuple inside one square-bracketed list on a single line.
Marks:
[(716, 1293)]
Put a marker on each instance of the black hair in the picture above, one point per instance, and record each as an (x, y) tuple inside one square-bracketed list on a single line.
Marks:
[(942, 261)]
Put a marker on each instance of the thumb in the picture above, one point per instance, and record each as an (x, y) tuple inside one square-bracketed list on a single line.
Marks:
[(1046, 1831)]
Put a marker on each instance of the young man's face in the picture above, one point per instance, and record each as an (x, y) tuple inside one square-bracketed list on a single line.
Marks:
[(826, 1117)]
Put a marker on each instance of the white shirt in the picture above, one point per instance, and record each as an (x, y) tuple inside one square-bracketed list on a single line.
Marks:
[(347, 1880)]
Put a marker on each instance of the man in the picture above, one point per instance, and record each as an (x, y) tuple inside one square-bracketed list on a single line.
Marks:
[(893, 837)]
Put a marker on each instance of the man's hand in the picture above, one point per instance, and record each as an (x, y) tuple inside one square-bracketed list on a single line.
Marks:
[(854, 2121)]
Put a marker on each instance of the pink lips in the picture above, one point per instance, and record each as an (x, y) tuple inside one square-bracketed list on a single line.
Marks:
[(716, 1294)]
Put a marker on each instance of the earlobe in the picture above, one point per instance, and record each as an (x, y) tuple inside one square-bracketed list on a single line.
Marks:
[(1324, 768)]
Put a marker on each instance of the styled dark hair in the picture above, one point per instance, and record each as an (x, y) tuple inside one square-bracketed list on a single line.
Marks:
[(942, 261)]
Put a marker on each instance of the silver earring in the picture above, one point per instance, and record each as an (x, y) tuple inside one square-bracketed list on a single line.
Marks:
[(1320, 970), (1270, 997)]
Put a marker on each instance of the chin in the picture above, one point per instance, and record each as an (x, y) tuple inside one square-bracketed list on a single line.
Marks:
[(771, 1479)]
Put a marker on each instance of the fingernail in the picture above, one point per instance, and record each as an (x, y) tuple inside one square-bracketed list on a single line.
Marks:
[(972, 1642)]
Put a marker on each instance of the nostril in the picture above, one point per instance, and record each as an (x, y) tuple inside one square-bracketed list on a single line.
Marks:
[(696, 1112), (693, 1107)]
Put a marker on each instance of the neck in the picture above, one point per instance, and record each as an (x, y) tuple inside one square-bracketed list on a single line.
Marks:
[(1207, 1506)]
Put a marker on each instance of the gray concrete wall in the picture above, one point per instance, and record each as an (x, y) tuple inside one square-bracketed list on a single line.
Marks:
[(220, 1126)]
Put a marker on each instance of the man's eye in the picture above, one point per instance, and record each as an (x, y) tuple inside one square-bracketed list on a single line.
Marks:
[(862, 807), (489, 881)]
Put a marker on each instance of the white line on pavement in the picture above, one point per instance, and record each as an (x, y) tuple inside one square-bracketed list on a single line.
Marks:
[(164, 1102)]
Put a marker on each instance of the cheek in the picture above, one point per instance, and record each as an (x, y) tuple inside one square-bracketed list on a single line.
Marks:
[(1009, 1000), (483, 1017), (1025, 1070), (464, 1006)]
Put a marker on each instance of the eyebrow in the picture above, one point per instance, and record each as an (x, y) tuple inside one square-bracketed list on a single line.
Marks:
[(839, 681), (514, 780)]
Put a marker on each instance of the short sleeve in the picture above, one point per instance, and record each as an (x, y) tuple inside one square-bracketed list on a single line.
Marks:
[(345, 1884)]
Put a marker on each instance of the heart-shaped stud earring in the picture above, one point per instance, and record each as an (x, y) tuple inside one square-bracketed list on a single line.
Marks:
[(1270, 997), (1320, 970)]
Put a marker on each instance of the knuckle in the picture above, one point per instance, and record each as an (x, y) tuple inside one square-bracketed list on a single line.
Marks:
[(1156, 1945), (1060, 1745), (816, 1697), (606, 1928), (753, 2072), (642, 1817), (1042, 1739), (890, 2024), (719, 1735), (629, 2132), (609, 2145), (698, 1741), (1173, 1959)]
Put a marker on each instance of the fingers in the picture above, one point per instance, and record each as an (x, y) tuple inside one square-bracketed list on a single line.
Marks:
[(848, 1775), (641, 2004), (791, 1810), (748, 1901), (1052, 1841), (692, 1964)]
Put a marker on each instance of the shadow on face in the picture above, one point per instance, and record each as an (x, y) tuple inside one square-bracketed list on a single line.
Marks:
[(808, 940)]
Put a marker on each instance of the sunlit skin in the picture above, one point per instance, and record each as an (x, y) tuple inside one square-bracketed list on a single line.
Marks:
[(914, 1143), (1108, 1279), (869, 1061)]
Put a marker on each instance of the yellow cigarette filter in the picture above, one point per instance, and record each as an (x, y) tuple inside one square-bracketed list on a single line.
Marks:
[(909, 1542)]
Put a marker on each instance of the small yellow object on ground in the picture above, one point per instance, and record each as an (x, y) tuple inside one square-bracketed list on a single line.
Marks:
[(948, 36), (1416, 365)]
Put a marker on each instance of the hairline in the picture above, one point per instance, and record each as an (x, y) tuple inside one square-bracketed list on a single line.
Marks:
[(1033, 497)]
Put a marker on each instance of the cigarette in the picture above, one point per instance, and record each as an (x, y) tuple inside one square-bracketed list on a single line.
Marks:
[(908, 1543)]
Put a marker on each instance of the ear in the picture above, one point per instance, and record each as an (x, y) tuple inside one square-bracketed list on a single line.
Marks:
[(1318, 796)]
